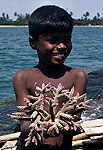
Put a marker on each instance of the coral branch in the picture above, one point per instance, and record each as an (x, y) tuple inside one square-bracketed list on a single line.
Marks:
[(42, 121)]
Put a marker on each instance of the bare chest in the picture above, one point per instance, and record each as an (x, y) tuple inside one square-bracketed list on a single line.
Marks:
[(37, 81)]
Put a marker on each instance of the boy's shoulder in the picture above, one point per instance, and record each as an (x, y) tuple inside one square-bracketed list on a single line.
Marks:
[(78, 73), (74, 70), (24, 73)]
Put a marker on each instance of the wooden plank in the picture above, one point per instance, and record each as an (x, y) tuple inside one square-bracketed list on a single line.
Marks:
[(99, 137), (93, 131), (92, 123), (9, 144), (77, 148), (87, 142), (10, 148), (7, 137), (92, 127), (79, 136), (79, 142)]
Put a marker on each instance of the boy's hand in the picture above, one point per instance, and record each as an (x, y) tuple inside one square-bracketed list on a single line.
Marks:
[(50, 133)]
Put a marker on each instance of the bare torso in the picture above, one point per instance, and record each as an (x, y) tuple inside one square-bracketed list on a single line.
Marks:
[(25, 82)]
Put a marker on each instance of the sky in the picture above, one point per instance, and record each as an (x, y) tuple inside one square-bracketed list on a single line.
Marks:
[(78, 7)]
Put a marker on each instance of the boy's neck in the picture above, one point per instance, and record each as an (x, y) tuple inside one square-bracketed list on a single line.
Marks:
[(52, 71)]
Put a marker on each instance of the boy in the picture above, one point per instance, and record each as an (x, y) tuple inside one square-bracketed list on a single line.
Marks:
[(50, 29)]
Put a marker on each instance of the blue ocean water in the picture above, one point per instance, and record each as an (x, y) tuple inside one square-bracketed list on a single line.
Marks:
[(16, 54)]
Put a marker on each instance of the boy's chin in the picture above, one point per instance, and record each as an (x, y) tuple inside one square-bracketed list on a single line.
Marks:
[(56, 64)]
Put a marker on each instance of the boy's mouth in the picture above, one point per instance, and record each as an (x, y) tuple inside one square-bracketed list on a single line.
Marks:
[(59, 54)]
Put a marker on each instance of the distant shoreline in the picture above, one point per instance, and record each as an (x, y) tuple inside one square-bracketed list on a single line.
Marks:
[(74, 26), (12, 26), (88, 26)]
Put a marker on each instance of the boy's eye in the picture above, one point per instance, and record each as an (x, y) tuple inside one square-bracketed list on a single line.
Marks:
[(56, 40), (52, 41)]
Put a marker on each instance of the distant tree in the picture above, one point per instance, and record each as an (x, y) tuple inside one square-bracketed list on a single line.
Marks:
[(98, 15), (15, 14), (7, 17), (3, 16), (95, 18), (27, 16), (20, 17), (86, 15), (101, 18), (81, 18), (71, 13)]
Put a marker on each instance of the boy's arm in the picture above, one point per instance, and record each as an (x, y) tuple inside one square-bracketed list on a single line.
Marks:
[(21, 92), (80, 81)]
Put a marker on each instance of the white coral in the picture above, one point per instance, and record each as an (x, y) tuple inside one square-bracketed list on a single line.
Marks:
[(65, 119)]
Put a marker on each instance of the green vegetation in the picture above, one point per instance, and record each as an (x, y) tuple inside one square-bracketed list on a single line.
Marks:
[(85, 20), (21, 19)]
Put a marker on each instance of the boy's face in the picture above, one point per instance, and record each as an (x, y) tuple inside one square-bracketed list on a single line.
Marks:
[(53, 48)]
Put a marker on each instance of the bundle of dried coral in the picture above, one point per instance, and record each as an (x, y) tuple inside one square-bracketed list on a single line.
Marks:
[(65, 119)]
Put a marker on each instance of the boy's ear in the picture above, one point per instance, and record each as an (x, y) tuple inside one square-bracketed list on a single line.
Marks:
[(32, 42)]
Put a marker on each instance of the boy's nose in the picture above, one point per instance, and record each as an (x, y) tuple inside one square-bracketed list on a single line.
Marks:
[(61, 45)]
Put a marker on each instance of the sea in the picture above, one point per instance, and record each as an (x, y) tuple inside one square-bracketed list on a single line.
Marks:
[(16, 54)]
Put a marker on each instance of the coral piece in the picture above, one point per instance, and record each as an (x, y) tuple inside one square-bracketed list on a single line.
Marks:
[(42, 121)]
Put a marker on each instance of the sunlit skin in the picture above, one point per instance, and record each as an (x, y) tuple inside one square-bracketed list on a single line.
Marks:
[(52, 49)]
